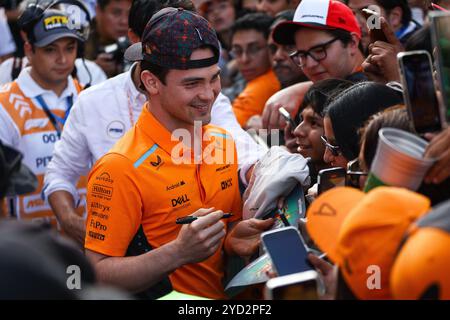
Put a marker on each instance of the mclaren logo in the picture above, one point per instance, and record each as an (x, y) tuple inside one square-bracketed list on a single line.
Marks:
[(156, 163)]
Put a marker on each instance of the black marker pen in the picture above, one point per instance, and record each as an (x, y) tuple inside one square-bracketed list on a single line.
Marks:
[(190, 219)]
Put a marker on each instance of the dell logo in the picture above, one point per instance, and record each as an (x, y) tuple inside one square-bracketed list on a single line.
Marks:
[(180, 200)]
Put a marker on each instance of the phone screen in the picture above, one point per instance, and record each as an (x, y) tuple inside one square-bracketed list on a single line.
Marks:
[(328, 179), (441, 30), (287, 251), (423, 104), (306, 290)]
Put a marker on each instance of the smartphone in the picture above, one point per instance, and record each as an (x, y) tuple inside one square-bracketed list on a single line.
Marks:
[(287, 117), (297, 286), (376, 34), (287, 250), (440, 33), (330, 178), (419, 92)]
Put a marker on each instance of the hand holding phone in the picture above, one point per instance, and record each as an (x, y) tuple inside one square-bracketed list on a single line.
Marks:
[(374, 25), (287, 250), (416, 73), (440, 33)]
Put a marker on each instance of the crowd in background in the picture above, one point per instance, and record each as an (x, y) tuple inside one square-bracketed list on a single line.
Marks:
[(73, 99)]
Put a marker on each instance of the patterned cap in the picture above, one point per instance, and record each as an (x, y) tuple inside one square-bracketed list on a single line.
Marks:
[(171, 36)]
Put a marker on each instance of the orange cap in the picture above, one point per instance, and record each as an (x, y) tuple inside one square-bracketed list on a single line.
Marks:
[(421, 270), (366, 232)]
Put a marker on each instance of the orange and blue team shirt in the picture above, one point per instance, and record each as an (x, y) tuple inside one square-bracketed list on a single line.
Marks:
[(37, 140), (140, 182)]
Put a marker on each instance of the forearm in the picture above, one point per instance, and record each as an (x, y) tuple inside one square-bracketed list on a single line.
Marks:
[(63, 205), (137, 273)]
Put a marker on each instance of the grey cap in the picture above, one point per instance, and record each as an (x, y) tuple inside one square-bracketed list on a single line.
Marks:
[(53, 25), (134, 52)]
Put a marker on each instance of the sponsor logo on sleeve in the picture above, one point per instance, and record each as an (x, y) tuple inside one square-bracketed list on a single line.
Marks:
[(96, 235), (97, 225), (102, 191), (115, 129), (105, 177)]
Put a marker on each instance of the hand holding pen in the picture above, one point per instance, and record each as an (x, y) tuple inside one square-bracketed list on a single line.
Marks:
[(190, 219), (199, 238)]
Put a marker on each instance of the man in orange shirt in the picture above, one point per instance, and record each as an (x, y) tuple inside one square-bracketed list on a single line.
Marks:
[(168, 167), (250, 49)]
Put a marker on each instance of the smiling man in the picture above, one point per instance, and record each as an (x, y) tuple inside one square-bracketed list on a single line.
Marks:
[(140, 184), (33, 108)]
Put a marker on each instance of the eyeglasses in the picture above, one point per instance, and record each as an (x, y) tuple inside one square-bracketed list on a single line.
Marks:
[(288, 49), (354, 172), (335, 150), (318, 53), (251, 51)]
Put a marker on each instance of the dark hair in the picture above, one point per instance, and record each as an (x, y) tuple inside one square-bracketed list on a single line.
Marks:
[(103, 3), (158, 71), (351, 108), (320, 93), (344, 36), (388, 5), (420, 40), (259, 21), (142, 10), (285, 15), (397, 118)]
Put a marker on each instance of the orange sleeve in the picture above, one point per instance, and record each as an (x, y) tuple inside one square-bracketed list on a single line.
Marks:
[(252, 100), (114, 206)]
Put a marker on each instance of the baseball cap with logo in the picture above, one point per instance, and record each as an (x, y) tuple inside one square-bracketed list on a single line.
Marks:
[(170, 37), (52, 26), (361, 232), (317, 14), (421, 270)]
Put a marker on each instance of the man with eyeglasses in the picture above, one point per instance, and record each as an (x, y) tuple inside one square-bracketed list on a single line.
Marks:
[(327, 38), (249, 48), (287, 72)]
